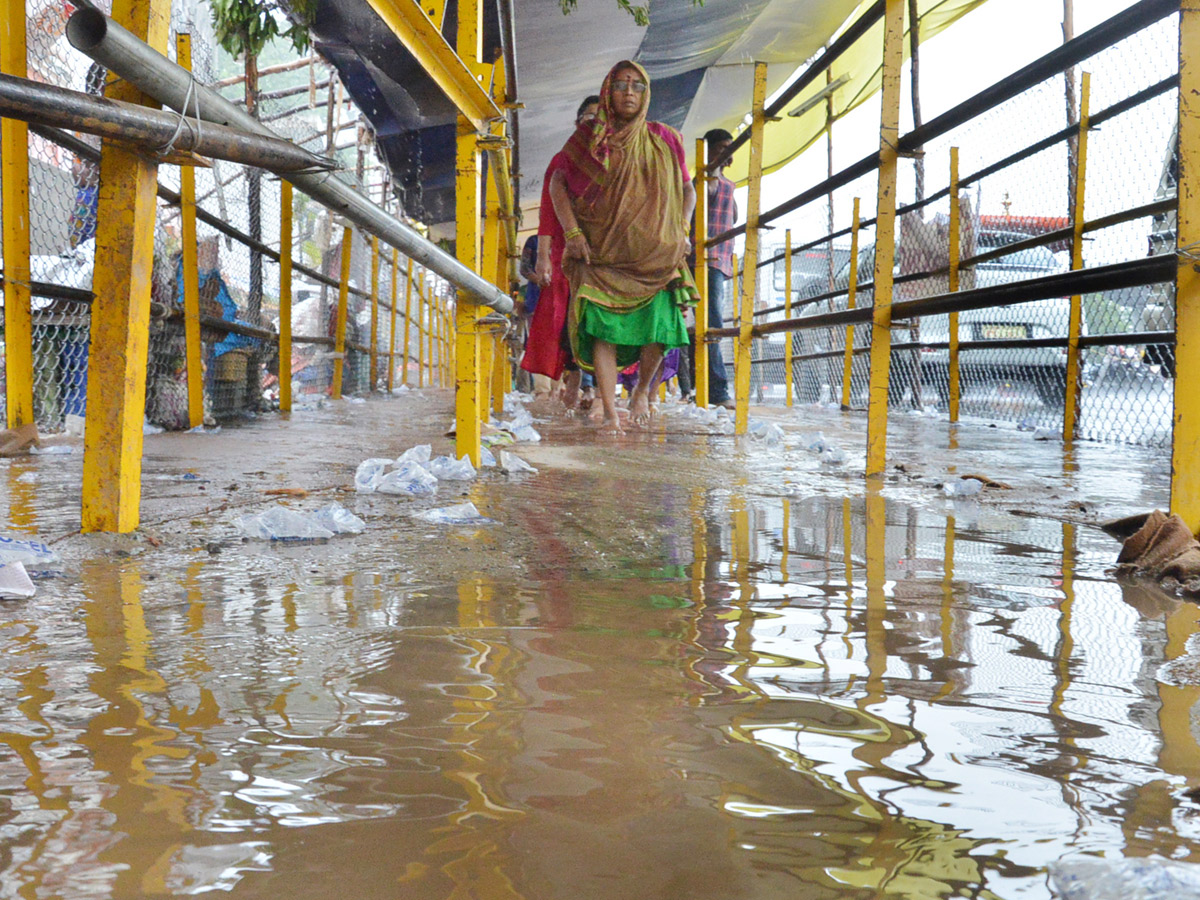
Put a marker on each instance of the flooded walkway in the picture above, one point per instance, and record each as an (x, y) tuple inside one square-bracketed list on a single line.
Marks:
[(680, 666)]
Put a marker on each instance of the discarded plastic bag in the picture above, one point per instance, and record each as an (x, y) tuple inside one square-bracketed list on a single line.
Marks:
[(527, 434), (446, 468), (339, 520), (419, 454), (833, 456), (29, 553), (369, 472), (15, 583), (511, 464), (409, 478), (814, 443), (1089, 878), (459, 514), (282, 524), (967, 487), (486, 458)]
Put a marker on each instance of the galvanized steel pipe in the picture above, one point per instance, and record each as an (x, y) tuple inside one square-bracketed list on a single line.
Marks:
[(96, 35), (44, 104)]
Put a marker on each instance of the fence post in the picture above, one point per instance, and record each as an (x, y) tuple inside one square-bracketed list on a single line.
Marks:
[(885, 238), (701, 355), (787, 313), (750, 256), (408, 288), (391, 376), (339, 346), (851, 303), (285, 300), (14, 175), (120, 326), (468, 394), (421, 330), (191, 275), (1185, 446), (374, 354), (955, 251), (1071, 398)]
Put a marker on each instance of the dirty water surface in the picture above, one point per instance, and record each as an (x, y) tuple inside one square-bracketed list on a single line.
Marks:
[(680, 666)]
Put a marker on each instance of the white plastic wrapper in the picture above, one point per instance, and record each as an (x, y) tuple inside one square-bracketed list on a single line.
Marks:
[(282, 524), (459, 514), (446, 468), (339, 520), (368, 474), (409, 478), (1088, 878)]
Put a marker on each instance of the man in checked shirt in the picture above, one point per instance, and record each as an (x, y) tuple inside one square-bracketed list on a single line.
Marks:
[(722, 213)]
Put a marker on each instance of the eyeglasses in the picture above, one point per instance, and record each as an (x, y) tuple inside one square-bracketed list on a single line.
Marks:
[(638, 87)]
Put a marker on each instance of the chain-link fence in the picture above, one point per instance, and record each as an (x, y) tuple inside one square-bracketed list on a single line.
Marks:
[(238, 239), (1016, 161)]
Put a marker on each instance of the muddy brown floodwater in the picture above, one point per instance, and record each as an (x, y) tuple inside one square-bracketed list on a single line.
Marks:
[(680, 666)]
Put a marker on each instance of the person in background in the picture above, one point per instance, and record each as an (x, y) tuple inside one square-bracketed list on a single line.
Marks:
[(722, 213), (625, 201), (548, 350)]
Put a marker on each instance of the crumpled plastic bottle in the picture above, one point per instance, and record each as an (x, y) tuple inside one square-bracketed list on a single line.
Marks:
[(282, 524)]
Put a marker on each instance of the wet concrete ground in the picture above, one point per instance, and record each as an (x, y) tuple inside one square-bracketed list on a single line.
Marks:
[(682, 665)]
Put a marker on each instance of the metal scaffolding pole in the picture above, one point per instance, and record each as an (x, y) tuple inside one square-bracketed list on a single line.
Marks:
[(99, 37)]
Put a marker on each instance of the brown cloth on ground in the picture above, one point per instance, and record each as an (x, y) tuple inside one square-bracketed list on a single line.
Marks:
[(1159, 545)]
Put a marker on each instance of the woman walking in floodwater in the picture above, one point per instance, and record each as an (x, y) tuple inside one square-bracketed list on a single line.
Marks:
[(625, 202)]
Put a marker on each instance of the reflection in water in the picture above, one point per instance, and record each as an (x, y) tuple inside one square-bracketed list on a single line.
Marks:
[(696, 693)]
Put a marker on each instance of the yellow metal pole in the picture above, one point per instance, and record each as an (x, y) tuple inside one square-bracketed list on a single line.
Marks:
[(955, 255), (339, 349), (421, 330), (468, 395), (374, 354), (285, 296), (500, 374), (851, 303), (431, 313), (391, 375), (885, 238), (1071, 400), (1185, 446), (120, 321), (701, 375), (750, 257), (14, 175), (408, 287), (787, 313), (191, 275)]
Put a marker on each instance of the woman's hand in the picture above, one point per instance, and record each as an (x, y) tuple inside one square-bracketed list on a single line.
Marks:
[(577, 248), (544, 272)]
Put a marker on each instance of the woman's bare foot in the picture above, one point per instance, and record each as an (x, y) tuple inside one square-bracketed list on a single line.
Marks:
[(639, 409), (611, 425)]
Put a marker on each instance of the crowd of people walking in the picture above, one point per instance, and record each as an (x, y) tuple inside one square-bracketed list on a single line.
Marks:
[(609, 273)]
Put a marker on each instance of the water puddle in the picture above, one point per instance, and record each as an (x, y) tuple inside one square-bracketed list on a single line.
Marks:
[(639, 687)]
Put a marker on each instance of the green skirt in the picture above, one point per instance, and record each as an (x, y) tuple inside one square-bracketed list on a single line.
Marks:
[(658, 322)]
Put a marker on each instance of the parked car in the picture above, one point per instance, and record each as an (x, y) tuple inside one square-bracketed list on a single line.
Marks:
[(1044, 368)]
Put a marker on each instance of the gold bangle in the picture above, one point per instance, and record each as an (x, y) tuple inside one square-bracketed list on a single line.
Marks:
[(572, 232)]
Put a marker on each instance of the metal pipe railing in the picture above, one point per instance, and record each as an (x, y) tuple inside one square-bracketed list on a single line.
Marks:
[(99, 37)]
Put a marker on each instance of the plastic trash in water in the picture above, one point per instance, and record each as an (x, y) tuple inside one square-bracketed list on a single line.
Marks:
[(833, 456), (446, 468), (497, 439), (27, 477), (511, 464), (966, 487), (53, 450), (369, 473), (403, 389), (459, 514), (205, 429), (282, 524), (149, 427), (409, 478), (527, 434), (1046, 434), (29, 553), (419, 454), (487, 459), (772, 435), (1090, 878), (15, 583), (339, 520), (814, 442)]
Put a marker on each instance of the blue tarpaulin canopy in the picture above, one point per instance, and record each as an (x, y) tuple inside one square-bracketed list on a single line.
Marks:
[(700, 60)]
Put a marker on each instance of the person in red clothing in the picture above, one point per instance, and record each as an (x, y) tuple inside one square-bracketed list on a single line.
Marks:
[(548, 350)]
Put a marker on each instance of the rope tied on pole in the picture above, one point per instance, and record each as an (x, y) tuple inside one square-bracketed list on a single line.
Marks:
[(191, 96)]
